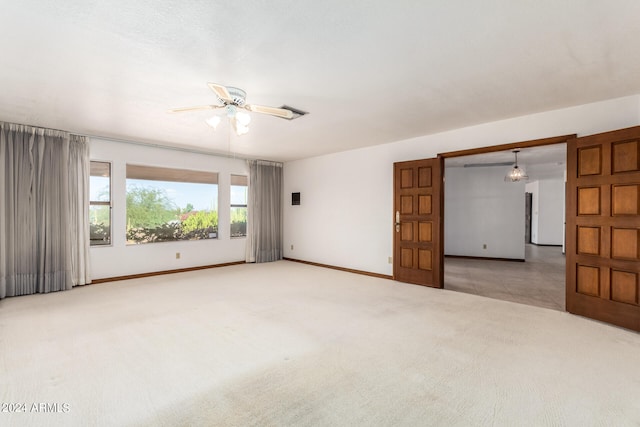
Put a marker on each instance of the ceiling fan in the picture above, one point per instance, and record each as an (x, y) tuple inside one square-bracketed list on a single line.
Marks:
[(233, 101)]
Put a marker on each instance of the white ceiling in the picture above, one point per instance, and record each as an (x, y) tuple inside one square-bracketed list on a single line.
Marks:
[(368, 72)]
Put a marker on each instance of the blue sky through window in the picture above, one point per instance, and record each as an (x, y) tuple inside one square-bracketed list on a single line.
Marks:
[(238, 194)]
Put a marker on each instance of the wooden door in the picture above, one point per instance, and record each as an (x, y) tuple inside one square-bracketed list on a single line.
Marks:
[(528, 208), (603, 227), (418, 226)]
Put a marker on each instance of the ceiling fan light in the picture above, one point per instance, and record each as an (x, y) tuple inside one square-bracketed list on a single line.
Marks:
[(241, 129), (231, 111), (243, 118), (213, 121)]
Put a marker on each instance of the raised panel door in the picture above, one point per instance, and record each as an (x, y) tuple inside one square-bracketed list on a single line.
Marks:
[(418, 254), (603, 227)]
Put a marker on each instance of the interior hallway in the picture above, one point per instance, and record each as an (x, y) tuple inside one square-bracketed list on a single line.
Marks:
[(539, 281)]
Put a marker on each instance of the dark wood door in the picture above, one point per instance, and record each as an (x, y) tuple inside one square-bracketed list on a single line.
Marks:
[(603, 227), (418, 227), (528, 205)]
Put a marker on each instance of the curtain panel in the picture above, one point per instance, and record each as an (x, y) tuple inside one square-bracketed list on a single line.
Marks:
[(79, 180), (41, 227), (264, 231)]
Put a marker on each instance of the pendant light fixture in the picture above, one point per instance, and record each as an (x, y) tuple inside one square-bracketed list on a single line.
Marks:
[(516, 174)]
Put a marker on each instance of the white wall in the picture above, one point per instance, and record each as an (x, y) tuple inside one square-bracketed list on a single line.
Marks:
[(482, 209), (344, 206), (120, 259), (346, 218), (547, 216)]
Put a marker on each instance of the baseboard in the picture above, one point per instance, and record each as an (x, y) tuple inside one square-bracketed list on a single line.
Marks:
[(484, 258), (348, 270), (541, 244), (160, 273)]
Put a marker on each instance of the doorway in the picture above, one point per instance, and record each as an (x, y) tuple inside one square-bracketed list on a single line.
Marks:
[(528, 199), (503, 240), (602, 212)]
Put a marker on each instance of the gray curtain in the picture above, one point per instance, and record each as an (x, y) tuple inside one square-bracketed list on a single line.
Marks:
[(38, 211), (264, 231), (79, 176)]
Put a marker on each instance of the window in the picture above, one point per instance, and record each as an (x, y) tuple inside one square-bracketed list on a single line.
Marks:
[(100, 204), (238, 205), (165, 205)]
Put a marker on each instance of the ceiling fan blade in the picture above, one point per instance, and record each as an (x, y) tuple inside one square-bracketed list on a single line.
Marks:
[(200, 107), (487, 165), (278, 112), (221, 92)]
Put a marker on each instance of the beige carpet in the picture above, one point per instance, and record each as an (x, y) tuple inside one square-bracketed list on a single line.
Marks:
[(285, 344)]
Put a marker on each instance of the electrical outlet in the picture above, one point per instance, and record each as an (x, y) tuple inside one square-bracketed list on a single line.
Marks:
[(177, 255), (291, 247), (390, 260), (484, 246)]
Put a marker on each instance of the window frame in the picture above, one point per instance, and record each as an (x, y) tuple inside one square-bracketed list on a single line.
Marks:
[(236, 205), (108, 203)]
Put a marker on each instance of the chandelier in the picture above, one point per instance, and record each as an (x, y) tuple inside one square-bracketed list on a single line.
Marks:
[(516, 174)]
